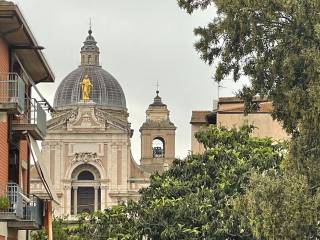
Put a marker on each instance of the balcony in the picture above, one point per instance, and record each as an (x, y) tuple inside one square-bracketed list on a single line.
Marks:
[(11, 207), (12, 90), (21, 212), (33, 120)]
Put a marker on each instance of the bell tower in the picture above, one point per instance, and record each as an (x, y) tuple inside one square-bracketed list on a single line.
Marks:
[(157, 138)]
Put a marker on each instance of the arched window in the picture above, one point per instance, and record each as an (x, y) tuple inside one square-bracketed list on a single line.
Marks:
[(81, 169), (158, 147), (89, 59), (85, 175)]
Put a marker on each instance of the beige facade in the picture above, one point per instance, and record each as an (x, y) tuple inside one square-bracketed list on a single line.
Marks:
[(198, 122), (87, 141), (87, 148), (157, 138), (230, 113)]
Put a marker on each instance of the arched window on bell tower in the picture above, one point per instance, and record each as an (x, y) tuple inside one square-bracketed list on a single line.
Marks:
[(158, 147)]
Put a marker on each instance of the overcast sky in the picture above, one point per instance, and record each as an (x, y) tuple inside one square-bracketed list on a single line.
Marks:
[(141, 42)]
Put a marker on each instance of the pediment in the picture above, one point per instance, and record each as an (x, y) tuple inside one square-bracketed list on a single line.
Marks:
[(87, 119)]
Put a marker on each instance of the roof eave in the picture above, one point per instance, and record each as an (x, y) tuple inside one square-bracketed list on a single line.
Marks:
[(6, 7)]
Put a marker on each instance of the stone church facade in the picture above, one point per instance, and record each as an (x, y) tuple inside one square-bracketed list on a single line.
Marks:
[(87, 147)]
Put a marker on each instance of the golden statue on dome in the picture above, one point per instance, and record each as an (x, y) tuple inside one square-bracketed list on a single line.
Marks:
[(86, 88)]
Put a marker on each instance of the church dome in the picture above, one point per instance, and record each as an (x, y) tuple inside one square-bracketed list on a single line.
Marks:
[(106, 91)]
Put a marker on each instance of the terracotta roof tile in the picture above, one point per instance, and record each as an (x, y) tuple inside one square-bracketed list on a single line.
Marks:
[(264, 107), (199, 116)]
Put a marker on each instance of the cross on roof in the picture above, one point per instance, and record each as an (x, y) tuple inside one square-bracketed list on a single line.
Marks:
[(157, 88)]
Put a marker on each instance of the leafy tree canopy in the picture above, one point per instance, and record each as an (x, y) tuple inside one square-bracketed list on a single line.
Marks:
[(192, 200), (279, 206), (195, 199), (276, 43), (239, 189)]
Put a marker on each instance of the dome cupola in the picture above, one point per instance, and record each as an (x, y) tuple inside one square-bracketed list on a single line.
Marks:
[(106, 91), (90, 51)]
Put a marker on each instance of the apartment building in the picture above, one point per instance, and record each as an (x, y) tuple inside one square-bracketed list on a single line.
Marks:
[(229, 112), (22, 124)]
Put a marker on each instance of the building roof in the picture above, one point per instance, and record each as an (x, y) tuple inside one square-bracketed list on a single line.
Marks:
[(157, 101), (90, 44), (199, 116), (238, 100), (16, 32), (236, 105), (106, 91)]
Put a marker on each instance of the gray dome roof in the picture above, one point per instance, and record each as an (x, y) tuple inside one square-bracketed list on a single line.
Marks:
[(106, 91)]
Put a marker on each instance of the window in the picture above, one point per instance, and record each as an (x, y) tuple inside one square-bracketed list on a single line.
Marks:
[(85, 175), (158, 147)]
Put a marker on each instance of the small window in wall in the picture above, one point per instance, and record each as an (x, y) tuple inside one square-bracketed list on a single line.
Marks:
[(85, 175), (89, 59), (158, 147)]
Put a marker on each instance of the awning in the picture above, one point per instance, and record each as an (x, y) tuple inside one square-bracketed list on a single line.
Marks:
[(41, 169), (15, 30)]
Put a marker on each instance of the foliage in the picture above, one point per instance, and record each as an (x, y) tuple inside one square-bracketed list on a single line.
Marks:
[(39, 235), (241, 188), (276, 43), (115, 223), (279, 207), (195, 199), (62, 229), (192, 200), (4, 203)]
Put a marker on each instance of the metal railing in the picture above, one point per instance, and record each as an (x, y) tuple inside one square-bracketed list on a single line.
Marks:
[(12, 89), (22, 207), (34, 114), (37, 115), (34, 210), (11, 194)]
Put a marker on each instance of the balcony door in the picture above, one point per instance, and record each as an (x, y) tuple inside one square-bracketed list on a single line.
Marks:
[(14, 166), (85, 199)]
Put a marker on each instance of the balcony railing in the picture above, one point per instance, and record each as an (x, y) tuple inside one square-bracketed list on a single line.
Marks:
[(37, 116), (34, 210), (33, 120), (11, 206), (12, 90), (20, 211)]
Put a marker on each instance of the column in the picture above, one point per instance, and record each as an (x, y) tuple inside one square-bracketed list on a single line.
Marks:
[(67, 190), (96, 195), (103, 197), (75, 200)]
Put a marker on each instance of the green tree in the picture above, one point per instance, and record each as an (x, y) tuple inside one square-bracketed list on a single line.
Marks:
[(276, 44), (39, 235), (192, 200), (279, 206), (116, 223), (60, 229)]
